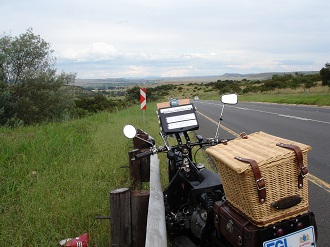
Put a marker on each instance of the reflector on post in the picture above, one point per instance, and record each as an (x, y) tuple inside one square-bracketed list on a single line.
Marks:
[(143, 98)]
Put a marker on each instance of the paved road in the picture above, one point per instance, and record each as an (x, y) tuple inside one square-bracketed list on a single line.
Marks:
[(309, 125)]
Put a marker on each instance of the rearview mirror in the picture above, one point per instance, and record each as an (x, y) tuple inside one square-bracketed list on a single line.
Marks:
[(230, 99), (129, 131)]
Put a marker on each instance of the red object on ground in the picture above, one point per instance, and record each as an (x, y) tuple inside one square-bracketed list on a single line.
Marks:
[(81, 241)]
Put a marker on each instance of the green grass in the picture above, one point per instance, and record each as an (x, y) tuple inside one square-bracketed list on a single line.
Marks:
[(55, 178), (318, 95), (319, 99)]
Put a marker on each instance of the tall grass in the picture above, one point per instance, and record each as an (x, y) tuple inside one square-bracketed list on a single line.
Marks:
[(319, 99), (55, 178), (317, 95)]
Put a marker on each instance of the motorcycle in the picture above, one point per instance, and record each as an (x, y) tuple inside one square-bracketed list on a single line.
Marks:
[(194, 192)]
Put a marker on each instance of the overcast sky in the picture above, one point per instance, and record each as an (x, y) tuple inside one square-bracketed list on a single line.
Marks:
[(138, 38)]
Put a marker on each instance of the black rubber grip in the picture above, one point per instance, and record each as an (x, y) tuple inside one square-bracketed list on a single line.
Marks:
[(144, 154)]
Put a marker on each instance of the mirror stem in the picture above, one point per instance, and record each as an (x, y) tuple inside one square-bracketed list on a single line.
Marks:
[(220, 118)]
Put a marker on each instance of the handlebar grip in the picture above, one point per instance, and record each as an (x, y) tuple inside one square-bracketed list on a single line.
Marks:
[(144, 154)]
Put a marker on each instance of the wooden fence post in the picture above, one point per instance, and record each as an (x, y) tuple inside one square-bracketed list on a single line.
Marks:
[(145, 167), (140, 169), (135, 168), (143, 146), (138, 217), (139, 202), (138, 143), (120, 213)]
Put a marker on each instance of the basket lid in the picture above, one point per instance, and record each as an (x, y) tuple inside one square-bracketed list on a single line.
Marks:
[(259, 146)]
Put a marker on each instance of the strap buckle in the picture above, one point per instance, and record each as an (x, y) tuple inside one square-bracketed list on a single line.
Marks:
[(259, 180), (304, 171)]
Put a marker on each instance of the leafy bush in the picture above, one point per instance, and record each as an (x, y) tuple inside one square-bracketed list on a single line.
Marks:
[(31, 91), (325, 75), (98, 103)]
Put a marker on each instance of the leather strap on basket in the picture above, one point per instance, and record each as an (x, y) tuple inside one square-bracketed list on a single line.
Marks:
[(303, 169), (260, 182)]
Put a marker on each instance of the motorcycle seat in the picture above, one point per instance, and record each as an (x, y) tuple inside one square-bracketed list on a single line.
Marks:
[(211, 182)]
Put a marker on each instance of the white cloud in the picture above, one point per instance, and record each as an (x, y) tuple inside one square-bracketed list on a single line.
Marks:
[(105, 38), (96, 51)]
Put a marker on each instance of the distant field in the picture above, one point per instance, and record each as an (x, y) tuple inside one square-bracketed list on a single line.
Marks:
[(189, 87), (182, 80), (319, 95), (306, 99)]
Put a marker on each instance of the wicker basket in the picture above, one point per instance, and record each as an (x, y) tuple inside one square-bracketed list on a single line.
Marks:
[(278, 167)]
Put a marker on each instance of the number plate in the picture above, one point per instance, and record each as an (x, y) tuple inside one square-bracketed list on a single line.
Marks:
[(302, 238)]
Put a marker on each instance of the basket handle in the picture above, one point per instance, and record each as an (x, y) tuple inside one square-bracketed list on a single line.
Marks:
[(260, 181), (303, 169), (287, 202)]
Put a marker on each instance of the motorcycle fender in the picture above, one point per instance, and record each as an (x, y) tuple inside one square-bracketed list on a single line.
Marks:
[(233, 227)]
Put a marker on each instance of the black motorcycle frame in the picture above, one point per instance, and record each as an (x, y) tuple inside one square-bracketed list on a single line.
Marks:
[(193, 189)]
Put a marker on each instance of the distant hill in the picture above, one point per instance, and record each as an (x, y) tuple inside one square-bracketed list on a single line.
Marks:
[(260, 76), (126, 82), (115, 82)]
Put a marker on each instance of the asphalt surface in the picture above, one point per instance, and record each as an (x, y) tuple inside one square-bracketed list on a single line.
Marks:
[(309, 125)]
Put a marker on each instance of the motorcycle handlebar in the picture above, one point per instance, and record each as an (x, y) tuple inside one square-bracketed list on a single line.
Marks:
[(211, 142), (144, 154), (206, 142)]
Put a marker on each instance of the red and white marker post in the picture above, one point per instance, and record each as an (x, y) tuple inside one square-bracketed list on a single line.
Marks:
[(143, 100)]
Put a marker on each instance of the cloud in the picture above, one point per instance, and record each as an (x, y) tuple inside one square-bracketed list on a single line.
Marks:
[(141, 64), (95, 52), (105, 38)]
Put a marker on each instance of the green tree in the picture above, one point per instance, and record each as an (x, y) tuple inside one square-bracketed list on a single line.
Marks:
[(25, 57), (295, 82), (133, 94), (97, 103), (221, 86), (235, 88), (32, 91), (325, 75)]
